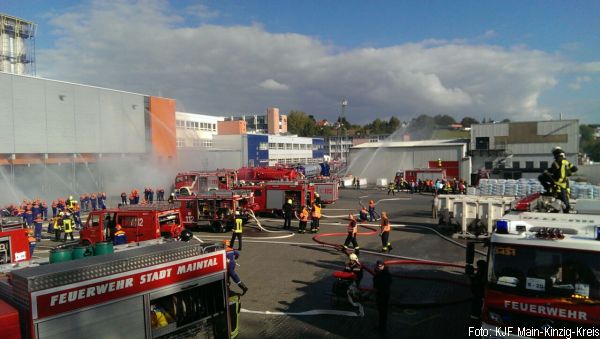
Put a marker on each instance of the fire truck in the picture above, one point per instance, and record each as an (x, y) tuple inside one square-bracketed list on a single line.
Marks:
[(170, 290), (215, 209), (269, 197), (543, 274), (14, 243), (253, 174), (139, 222), (189, 183)]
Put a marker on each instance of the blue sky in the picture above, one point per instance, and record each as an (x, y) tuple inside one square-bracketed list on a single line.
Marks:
[(523, 60)]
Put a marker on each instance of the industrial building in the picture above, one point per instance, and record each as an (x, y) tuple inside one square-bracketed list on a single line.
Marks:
[(195, 131), (383, 159), (55, 135), (514, 150), (17, 45), (270, 123)]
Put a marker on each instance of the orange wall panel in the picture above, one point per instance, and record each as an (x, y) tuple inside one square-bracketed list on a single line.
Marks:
[(162, 127), (231, 127)]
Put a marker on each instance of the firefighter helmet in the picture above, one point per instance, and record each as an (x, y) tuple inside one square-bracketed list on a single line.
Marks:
[(557, 150), (353, 257), (289, 201)]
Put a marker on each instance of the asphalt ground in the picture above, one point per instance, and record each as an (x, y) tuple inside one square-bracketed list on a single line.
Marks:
[(290, 276)]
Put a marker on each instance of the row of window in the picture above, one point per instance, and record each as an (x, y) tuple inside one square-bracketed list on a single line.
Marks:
[(205, 143), (295, 161), (290, 146), (195, 125), (517, 165)]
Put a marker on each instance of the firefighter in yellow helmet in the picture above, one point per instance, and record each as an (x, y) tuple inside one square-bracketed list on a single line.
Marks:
[(556, 179), (237, 230)]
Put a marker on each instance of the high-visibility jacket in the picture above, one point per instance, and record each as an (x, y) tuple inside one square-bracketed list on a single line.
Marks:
[(238, 225), (352, 227), (385, 224), (68, 225), (304, 215), (120, 238), (560, 172), (316, 212)]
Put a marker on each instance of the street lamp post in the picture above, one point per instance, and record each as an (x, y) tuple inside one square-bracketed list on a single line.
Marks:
[(343, 130)]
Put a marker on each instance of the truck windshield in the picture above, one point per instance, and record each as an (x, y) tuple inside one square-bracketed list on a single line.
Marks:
[(545, 272)]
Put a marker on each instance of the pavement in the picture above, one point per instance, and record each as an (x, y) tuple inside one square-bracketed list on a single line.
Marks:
[(290, 281)]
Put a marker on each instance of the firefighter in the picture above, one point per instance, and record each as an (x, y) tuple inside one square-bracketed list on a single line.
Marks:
[(150, 195), (391, 188), (102, 200), (68, 225), (363, 215), (123, 198), (352, 232), (303, 220), (44, 210), (353, 265), (231, 256), (315, 216), (109, 227), (477, 288), (54, 208), (386, 245), (28, 217), (382, 281), (94, 201), (287, 214), (318, 200), (32, 241), (372, 211), (171, 199), (58, 225), (237, 230), (119, 238), (556, 179), (38, 226)]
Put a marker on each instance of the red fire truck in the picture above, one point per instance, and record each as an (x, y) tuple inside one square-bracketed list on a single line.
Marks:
[(543, 276), (269, 197), (172, 290), (14, 243), (267, 173), (188, 183), (139, 222), (215, 209)]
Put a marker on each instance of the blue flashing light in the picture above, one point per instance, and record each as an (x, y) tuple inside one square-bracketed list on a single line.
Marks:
[(502, 226), (597, 232)]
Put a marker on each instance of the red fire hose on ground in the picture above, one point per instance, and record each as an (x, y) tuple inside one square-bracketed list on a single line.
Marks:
[(398, 262)]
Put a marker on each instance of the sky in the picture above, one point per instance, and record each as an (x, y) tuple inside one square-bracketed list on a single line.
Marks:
[(521, 60)]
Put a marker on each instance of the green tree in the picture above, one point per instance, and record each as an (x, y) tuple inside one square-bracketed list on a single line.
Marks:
[(468, 121), (393, 125), (301, 124), (443, 120)]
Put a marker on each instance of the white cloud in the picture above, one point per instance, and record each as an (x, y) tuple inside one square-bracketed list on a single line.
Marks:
[(209, 68), (202, 11), (273, 85), (579, 81)]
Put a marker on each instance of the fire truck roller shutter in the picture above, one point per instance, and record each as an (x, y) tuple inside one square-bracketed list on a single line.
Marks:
[(92, 323)]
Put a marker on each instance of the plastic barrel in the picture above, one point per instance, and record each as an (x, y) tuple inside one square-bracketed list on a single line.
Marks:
[(60, 255), (103, 248), (82, 251)]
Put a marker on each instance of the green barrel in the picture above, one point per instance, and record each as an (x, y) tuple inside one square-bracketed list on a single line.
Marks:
[(82, 251), (103, 248), (60, 255)]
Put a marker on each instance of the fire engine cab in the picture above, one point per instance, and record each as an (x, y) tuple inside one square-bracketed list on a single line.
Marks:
[(170, 290), (139, 222), (215, 209), (543, 275)]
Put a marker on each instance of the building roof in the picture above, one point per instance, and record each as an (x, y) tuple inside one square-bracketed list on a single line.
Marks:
[(420, 143)]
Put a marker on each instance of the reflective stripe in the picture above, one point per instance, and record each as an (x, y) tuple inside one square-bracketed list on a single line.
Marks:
[(238, 225)]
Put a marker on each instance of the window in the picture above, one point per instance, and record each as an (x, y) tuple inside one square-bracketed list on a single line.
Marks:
[(128, 221), (288, 146), (263, 146), (180, 143), (543, 165), (529, 164), (214, 127), (516, 164), (489, 165), (296, 146), (482, 143), (180, 123), (280, 145), (272, 145)]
